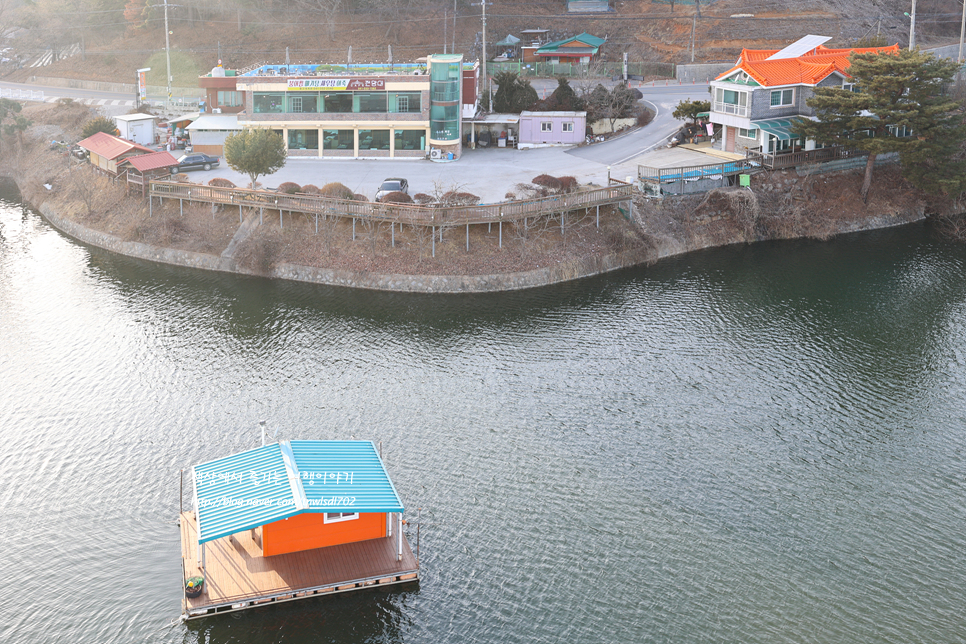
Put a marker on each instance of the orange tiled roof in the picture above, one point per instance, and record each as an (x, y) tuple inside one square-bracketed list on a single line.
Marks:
[(110, 146), (808, 69)]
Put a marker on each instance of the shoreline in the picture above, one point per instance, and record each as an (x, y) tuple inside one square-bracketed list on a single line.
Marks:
[(410, 283), (397, 282)]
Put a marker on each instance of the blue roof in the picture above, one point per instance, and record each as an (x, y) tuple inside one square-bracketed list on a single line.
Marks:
[(278, 481)]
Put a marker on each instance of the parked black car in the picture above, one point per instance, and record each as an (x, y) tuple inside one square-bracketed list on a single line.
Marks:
[(195, 162)]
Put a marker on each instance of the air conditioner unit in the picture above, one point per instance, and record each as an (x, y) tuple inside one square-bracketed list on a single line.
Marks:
[(216, 110), (435, 153)]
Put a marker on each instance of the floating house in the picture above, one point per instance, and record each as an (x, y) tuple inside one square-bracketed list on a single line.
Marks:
[(292, 520)]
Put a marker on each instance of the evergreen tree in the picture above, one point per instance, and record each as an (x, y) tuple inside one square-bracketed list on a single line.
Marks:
[(688, 109), (255, 152), (99, 124), (901, 93), (513, 95)]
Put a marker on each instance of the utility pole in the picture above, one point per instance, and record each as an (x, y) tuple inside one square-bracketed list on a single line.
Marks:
[(694, 22), (167, 51), (962, 34), (912, 27), (486, 81)]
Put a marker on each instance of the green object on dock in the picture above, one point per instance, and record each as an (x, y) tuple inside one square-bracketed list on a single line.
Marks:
[(744, 180)]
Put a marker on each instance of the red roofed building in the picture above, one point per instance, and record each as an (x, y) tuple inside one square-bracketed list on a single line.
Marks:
[(107, 150), (144, 167), (756, 101)]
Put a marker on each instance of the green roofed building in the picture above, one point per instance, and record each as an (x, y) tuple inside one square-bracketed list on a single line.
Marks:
[(578, 49)]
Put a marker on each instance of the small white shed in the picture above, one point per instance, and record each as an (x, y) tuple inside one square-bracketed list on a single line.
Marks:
[(138, 128)]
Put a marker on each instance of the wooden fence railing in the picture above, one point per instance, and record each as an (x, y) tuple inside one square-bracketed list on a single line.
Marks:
[(693, 172), (393, 212), (773, 161)]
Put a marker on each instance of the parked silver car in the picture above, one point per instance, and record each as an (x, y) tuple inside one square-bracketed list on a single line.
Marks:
[(393, 184)]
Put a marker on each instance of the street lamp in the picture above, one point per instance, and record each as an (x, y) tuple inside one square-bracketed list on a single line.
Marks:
[(912, 26)]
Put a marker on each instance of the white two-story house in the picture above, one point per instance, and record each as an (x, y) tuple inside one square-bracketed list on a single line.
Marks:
[(756, 100)]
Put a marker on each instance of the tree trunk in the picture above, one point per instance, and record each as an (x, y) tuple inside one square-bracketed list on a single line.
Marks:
[(867, 181)]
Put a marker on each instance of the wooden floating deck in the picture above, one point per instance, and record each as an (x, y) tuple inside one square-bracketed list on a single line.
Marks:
[(237, 576)]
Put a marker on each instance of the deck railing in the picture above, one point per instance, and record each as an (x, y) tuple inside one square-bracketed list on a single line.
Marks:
[(694, 172), (426, 215), (781, 160)]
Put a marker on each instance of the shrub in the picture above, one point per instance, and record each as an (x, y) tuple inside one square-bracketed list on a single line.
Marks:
[(453, 198), (568, 184), (219, 182), (357, 197), (289, 187), (396, 197), (310, 189), (644, 116), (336, 190), (99, 124), (181, 177), (551, 183), (423, 199)]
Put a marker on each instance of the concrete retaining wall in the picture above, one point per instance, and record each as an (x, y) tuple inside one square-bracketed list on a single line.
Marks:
[(119, 88), (846, 164), (700, 72), (585, 267)]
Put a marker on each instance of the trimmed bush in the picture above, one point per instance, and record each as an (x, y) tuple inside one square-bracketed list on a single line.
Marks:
[(310, 189), (289, 188), (357, 197), (460, 199), (548, 182), (220, 182), (423, 199), (568, 184), (396, 197), (181, 177), (336, 191)]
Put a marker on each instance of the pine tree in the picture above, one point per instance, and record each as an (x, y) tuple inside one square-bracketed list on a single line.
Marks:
[(901, 93), (255, 152)]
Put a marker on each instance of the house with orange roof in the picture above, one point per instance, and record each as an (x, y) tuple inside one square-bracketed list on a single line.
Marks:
[(756, 101)]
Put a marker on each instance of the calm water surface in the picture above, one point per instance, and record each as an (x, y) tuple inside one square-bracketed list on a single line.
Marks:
[(754, 444)]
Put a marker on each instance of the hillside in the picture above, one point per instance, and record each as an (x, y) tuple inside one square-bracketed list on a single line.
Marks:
[(112, 43)]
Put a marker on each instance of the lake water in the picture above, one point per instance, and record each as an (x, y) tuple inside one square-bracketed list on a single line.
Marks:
[(752, 444)]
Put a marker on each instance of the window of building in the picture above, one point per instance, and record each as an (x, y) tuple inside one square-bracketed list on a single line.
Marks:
[(546, 126), (405, 102), (782, 97), (371, 102), (750, 133), (303, 139), (338, 102), (303, 103), (335, 517), (338, 139), (848, 87), (410, 139), (268, 103), (731, 97), (229, 99), (567, 127), (373, 139)]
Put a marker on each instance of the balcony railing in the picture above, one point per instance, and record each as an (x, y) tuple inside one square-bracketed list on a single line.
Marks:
[(730, 108), (791, 159)]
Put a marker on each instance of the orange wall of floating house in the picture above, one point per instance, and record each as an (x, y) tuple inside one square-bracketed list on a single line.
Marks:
[(308, 531)]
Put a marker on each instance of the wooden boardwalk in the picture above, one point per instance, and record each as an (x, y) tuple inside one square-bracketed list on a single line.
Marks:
[(237, 576)]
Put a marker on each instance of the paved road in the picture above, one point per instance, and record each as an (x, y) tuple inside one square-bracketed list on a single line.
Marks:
[(662, 99), (90, 97)]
